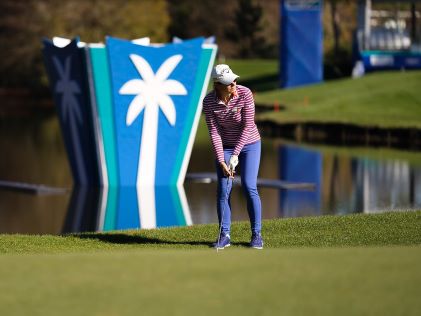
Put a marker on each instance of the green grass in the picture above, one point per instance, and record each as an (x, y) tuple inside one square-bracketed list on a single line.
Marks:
[(315, 281), (251, 69), (345, 265), (387, 99), (394, 228)]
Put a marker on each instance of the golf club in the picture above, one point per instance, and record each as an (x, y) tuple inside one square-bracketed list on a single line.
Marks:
[(222, 212)]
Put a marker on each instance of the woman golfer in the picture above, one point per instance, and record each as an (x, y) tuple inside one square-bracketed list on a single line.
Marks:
[(229, 111)]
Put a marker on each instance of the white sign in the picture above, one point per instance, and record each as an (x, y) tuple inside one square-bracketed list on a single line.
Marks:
[(381, 60)]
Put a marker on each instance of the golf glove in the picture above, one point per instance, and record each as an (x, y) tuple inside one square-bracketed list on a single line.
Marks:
[(233, 162)]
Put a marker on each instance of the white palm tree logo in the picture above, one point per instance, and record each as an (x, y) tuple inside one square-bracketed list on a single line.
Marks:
[(151, 94)]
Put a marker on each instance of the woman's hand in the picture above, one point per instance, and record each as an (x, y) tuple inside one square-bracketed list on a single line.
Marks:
[(227, 171)]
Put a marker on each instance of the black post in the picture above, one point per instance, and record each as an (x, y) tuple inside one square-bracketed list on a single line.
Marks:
[(413, 23)]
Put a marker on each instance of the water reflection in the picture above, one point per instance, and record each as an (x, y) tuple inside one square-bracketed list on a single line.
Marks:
[(300, 165), (83, 211), (116, 208), (386, 186), (347, 182)]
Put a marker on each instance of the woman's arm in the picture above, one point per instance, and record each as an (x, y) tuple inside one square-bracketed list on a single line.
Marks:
[(248, 122), (214, 134)]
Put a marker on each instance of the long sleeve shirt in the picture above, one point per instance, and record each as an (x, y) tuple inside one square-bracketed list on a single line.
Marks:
[(232, 125)]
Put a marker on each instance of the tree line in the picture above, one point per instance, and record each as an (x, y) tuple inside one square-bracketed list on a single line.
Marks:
[(243, 28)]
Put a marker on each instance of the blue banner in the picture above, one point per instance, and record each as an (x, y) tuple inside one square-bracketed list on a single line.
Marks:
[(301, 55), (142, 105), (66, 68), (156, 98)]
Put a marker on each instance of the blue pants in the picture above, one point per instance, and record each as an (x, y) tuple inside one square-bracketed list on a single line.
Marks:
[(249, 160)]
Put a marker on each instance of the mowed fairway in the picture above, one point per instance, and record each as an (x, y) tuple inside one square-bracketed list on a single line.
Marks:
[(321, 274), (349, 281)]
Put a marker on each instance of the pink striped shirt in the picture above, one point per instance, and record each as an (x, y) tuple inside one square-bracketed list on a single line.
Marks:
[(232, 125)]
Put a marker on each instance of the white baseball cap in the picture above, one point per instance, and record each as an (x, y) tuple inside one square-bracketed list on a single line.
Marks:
[(223, 74)]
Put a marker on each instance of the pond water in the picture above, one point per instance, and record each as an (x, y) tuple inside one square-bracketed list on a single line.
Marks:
[(348, 180)]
